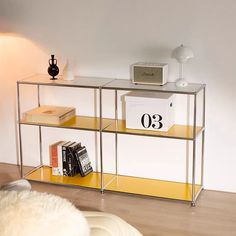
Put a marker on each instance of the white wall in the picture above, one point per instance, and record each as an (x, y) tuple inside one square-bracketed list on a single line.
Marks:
[(102, 38)]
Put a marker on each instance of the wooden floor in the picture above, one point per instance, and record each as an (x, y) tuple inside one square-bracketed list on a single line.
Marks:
[(214, 215)]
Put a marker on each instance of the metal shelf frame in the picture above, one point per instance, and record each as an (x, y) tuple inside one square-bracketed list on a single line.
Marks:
[(43, 80), (192, 90), (102, 84)]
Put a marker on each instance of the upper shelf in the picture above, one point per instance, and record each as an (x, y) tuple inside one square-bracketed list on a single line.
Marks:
[(78, 122), (169, 87), (176, 131), (113, 126), (106, 83), (84, 82)]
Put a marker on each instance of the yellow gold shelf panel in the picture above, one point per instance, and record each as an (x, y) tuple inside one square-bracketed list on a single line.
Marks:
[(78, 122), (152, 187), (125, 184), (44, 174), (109, 125), (176, 131)]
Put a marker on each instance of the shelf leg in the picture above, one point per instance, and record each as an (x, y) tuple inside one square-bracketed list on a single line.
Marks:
[(187, 141), (40, 145), (203, 135), (202, 160), (116, 136), (193, 174), (101, 163), (19, 131), (100, 135), (40, 129), (194, 151), (96, 133)]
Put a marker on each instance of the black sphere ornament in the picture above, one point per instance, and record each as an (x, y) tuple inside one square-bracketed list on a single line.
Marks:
[(53, 69)]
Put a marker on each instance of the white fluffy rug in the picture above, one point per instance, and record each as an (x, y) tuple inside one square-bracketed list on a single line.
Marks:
[(39, 214)]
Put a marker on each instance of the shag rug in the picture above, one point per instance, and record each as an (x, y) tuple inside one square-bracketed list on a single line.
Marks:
[(29, 213)]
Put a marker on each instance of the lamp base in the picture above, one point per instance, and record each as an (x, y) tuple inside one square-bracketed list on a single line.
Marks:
[(181, 83)]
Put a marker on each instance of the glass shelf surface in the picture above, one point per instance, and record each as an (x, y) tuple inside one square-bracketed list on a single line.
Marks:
[(86, 82), (169, 87), (110, 83)]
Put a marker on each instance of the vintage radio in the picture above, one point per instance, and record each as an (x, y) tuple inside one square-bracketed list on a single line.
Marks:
[(149, 73)]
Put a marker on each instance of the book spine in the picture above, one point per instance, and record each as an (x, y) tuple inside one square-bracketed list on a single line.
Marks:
[(83, 161), (66, 116), (80, 169), (87, 168), (73, 166), (41, 119), (54, 159), (65, 161), (60, 164)]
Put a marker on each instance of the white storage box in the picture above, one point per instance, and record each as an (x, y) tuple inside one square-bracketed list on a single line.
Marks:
[(149, 111)]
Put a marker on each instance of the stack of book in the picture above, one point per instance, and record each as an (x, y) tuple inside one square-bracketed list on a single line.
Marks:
[(69, 159), (49, 114)]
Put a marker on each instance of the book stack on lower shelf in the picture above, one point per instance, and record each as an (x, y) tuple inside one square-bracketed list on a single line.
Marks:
[(69, 159)]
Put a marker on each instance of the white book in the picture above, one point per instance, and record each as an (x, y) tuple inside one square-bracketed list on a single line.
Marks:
[(60, 161)]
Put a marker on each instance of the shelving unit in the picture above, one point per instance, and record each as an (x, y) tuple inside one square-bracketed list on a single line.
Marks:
[(115, 182)]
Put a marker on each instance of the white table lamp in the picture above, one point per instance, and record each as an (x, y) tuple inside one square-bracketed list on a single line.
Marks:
[(182, 54)]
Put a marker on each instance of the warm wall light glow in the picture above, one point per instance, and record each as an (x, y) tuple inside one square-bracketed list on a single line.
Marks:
[(19, 57)]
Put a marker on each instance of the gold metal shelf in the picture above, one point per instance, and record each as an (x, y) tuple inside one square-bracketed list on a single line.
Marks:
[(125, 184), (109, 125), (176, 131), (153, 187), (78, 122), (44, 174)]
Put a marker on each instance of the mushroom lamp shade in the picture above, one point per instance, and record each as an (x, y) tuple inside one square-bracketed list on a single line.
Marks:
[(182, 54)]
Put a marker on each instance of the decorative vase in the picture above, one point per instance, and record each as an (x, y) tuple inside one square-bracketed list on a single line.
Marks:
[(53, 69), (67, 73)]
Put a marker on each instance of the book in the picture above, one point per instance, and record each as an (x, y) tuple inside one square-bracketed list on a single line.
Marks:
[(72, 162), (53, 149), (65, 163), (49, 114), (60, 159), (83, 161)]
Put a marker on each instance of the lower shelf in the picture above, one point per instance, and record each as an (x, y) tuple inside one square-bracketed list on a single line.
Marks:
[(44, 174), (153, 187), (126, 184)]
